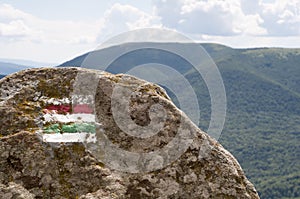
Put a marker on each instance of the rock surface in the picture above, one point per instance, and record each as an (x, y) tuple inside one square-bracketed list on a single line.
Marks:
[(30, 167)]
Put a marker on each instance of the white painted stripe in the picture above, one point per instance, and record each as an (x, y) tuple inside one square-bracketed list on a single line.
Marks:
[(70, 137), (83, 99), (78, 117), (55, 101)]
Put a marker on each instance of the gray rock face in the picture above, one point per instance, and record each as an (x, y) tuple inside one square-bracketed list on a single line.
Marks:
[(127, 160)]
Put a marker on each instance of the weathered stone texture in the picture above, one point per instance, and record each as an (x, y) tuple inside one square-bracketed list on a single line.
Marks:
[(31, 168)]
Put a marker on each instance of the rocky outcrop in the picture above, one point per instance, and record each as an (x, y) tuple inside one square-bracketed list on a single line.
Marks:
[(119, 156)]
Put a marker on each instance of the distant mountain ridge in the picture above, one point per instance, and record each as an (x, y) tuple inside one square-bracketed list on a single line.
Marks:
[(8, 66), (262, 126), (32, 64)]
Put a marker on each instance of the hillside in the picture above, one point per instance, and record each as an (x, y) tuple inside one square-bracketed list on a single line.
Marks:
[(8, 68), (32, 64), (262, 125)]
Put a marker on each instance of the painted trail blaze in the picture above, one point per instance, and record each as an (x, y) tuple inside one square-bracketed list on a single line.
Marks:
[(64, 123)]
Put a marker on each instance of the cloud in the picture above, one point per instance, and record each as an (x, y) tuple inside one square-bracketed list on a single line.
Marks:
[(246, 41), (56, 40), (12, 23), (238, 23), (120, 18), (213, 17), (20, 26), (15, 28), (281, 17), (25, 36), (192, 17), (229, 18), (9, 12)]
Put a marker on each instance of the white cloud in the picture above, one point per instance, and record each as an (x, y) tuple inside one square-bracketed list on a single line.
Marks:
[(58, 40), (213, 17), (25, 36), (19, 25), (120, 18), (15, 28), (247, 41), (13, 23), (281, 17), (238, 23), (9, 12), (228, 18)]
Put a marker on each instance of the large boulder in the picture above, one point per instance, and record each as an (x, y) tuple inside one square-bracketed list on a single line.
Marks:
[(118, 159)]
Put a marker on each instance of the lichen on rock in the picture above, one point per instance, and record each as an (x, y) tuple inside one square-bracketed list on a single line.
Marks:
[(33, 168)]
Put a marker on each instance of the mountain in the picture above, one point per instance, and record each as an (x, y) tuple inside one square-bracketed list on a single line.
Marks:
[(45, 155), (8, 66), (32, 64), (262, 126)]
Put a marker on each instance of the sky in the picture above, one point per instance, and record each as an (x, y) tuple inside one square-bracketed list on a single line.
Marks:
[(56, 31)]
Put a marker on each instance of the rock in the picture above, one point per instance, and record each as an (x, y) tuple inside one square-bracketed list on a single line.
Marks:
[(145, 147), (13, 190)]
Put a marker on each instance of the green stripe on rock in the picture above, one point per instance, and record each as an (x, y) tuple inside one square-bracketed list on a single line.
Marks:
[(71, 128), (54, 128), (81, 127)]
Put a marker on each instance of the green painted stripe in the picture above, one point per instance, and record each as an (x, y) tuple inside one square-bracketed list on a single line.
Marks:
[(54, 128), (79, 127), (71, 128)]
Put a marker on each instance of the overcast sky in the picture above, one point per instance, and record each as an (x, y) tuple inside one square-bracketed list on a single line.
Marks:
[(55, 31)]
